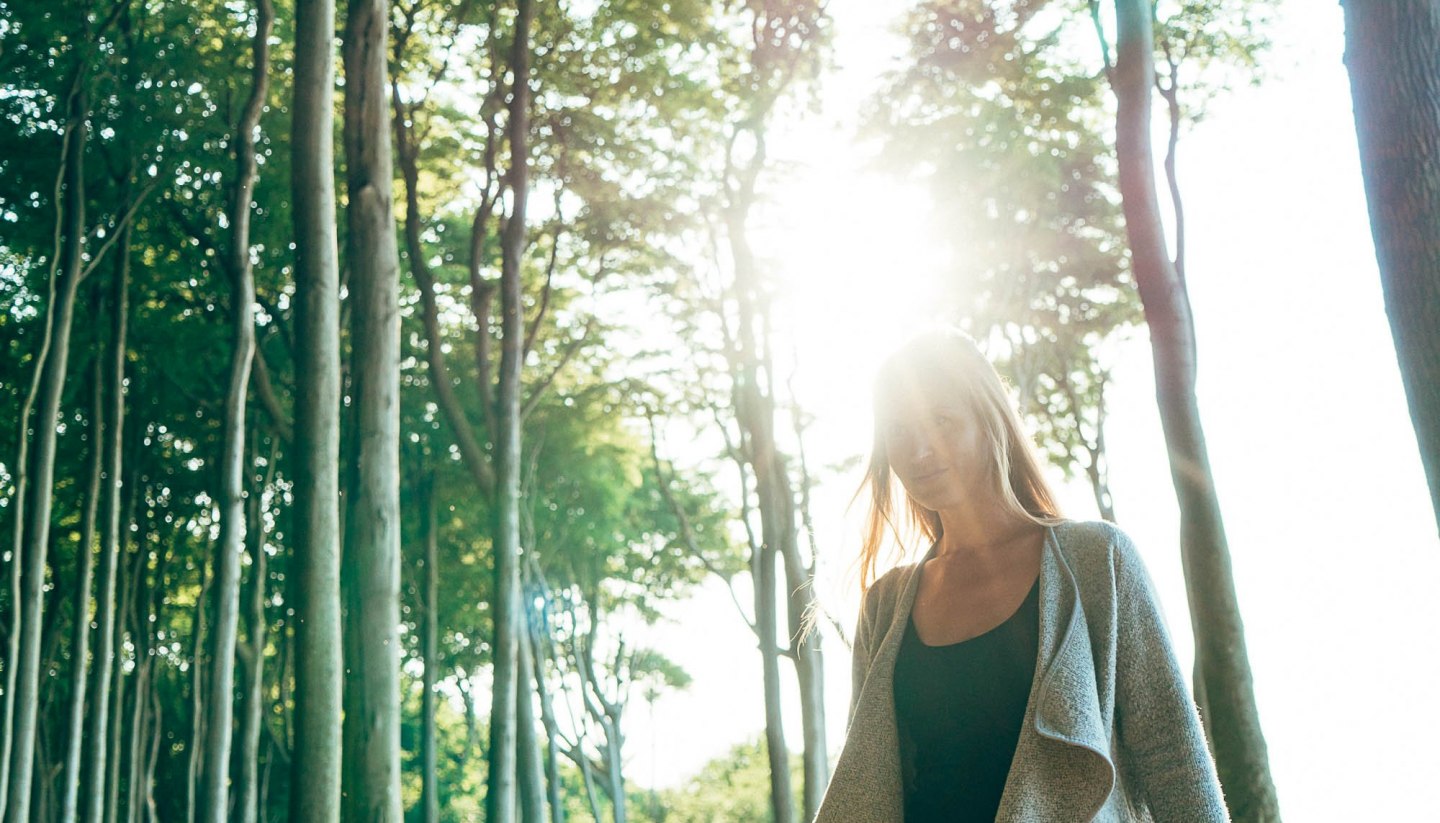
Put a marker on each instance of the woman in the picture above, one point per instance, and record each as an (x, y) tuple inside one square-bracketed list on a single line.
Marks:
[(1020, 671)]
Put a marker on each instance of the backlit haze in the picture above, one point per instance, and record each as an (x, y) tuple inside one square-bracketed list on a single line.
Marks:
[(1325, 504)]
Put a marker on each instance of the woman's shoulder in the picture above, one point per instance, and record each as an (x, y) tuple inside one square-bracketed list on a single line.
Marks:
[(1086, 534), (1097, 544), (882, 594)]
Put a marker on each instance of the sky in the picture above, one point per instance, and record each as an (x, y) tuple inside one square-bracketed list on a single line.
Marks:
[(1331, 534)]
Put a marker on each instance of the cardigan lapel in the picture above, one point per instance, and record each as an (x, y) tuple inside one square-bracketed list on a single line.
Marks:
[(1062, 768)]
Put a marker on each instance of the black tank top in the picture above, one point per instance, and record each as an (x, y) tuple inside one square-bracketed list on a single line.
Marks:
[(959, 709)]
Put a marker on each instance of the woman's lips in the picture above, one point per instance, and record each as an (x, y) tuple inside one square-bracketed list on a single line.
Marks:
[(931, 475)]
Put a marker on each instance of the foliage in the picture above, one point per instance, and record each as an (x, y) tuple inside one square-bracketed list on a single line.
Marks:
[(734, 788)]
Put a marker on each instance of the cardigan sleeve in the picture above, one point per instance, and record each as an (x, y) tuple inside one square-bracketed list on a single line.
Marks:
[(861, 648), (1157, 722)]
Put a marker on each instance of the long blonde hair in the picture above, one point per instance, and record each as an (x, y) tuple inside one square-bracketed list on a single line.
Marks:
[(1021, 487)]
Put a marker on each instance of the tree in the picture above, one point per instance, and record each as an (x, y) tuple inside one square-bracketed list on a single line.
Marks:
[(30, 559), (500, 795), (1392, 56), (80, 626), (785, 39), (1223, 683), (99, 718), (315, 762), (371, 732), (214, 802)]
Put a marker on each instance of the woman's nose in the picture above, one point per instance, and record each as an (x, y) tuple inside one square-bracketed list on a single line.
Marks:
[(920, 447)]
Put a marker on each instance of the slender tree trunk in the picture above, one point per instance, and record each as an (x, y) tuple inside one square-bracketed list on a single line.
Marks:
[(754, 410), (614, 772), (804, 645), (429, 794), (144, 669), (1392, 51), (99, 718), (195, 754), (1224, 684), (41, 802), (247, 810), (146, 751), (472, 722), (116, 728), (61, 197), (371, 769), (30, 565), (315, 763), (85, 563), (153, 756), (215, 788), (555, 791), (500, 795), (766, 622), (529, 765)]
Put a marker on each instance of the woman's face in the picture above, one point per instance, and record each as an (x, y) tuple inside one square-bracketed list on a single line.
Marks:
[(937, 447)]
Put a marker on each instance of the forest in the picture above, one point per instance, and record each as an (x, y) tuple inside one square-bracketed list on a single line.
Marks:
[(373, 376)]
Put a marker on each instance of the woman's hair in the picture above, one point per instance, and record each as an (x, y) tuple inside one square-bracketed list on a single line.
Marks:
[(950, 357)]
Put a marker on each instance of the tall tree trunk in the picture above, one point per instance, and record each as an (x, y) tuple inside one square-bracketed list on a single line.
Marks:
[(500, 785), (315, 762), (98, 721), (195, 755), (215, 788), (146, 751), (767, 624), (152, 757), (85, 565), (247, 808), (1392, 51), (429, 793), (30, 564), (41, 802), (371, 768), (62, 197), (555, 792), (529, 765), (1223, 681), (144, 668), (116, 728), (754, 410)]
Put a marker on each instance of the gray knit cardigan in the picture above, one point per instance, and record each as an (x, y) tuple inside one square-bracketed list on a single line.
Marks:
[(1110, 732)]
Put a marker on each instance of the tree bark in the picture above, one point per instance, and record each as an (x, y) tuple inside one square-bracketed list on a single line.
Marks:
[(85, 573), (530, 768), (140, 716), (1223, 682), (500, 798), (371, 766), (115, 729), (555, 792), (1393, 57), (215, 788), (61, 196), (248, 761), (30, 565), (315, 762), (430, 789), (754, 411), (194, 755), (98, 720)]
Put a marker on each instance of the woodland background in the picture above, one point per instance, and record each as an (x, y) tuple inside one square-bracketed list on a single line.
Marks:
[(543, 319)]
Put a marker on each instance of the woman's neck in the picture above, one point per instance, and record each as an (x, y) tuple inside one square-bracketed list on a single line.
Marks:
[(980, 528)]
